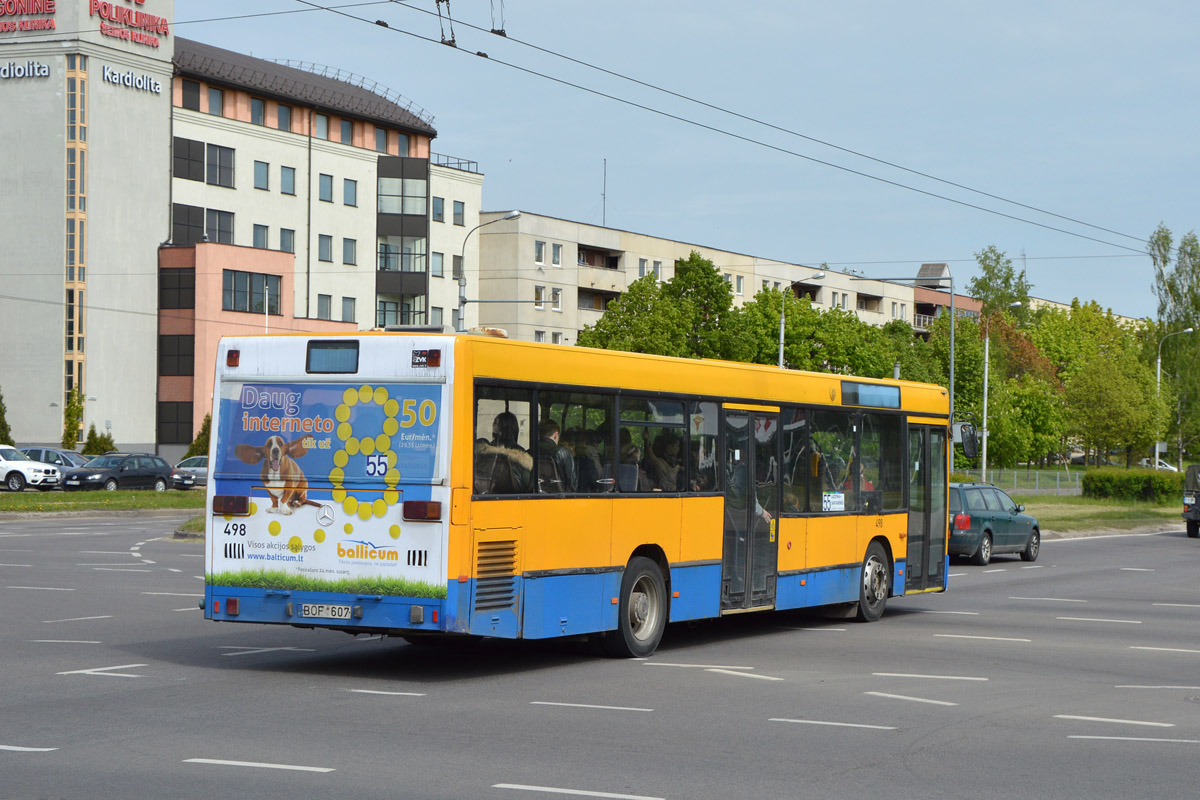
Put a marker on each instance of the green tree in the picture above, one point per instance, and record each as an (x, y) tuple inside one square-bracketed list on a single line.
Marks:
[(5, 430), (1112, 403), (998, 285), (97, 443), (643, 320), (705, 300), (1177, 286), (199, 446), (72, 418), (1026, 421)]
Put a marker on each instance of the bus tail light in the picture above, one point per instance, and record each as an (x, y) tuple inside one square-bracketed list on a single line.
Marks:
[(232, 606), (231, 504), (962, 522), (422, 510), (232, 357)]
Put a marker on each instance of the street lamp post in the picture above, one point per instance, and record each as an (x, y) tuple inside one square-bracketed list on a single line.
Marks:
[(987, 321), (1158, 380), (462, 273), (783, 308)]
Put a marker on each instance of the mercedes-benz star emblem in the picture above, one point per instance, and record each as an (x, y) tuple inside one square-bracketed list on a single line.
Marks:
[(325, 515)]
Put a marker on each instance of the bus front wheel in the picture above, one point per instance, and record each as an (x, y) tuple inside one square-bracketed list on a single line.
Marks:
[(875, 585), (641, 613)]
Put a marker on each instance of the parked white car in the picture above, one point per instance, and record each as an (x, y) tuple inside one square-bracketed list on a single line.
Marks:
[(17, 471), (1148, 463)]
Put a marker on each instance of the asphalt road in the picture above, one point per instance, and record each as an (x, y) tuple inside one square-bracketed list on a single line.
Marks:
[(1074, 677)]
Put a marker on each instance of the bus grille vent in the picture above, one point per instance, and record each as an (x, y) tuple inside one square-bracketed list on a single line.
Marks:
[(418, 558), (495, 567)]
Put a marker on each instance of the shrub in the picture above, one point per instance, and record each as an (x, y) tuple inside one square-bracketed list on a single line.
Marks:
[(199, 445), (97, 443), (1150, 485), (5, 431), (72, 416)]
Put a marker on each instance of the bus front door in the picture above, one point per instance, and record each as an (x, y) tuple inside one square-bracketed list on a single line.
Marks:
[(926, 509), (749, 553)]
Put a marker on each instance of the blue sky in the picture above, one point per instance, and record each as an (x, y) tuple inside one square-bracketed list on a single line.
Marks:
[(1086, 110)]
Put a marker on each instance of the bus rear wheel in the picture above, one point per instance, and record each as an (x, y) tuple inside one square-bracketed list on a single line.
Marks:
[(641, 613), (876, 583)]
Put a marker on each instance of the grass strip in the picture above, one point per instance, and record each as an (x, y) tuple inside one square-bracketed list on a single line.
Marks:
[(100, 500), (278, 579)]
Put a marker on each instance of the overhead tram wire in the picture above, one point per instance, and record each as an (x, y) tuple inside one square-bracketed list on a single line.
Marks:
[(782, 129), (738, 136)]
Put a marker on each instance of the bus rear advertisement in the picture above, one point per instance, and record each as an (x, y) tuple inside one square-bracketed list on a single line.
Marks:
[(421, 484)]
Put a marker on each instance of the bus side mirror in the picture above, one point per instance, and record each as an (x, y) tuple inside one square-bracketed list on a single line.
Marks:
[(964, 434)]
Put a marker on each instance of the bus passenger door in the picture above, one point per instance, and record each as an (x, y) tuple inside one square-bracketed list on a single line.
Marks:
[(750, 548), (927, 523)]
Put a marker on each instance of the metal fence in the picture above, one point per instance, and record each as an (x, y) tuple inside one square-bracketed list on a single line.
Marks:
[(1034, 481)]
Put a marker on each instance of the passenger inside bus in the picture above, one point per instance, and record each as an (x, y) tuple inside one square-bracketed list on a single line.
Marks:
[(502, 466)]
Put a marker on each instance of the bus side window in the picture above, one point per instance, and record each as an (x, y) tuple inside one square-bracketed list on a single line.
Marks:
[(503, 463), (796, 464), (832, 441), (882, 456), (702, 452)]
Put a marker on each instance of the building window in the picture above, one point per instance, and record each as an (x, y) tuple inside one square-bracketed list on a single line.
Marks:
[(539, 252), (188, 159), (349, 251), (174, 423), (325, 188), (262, 173), (283, 117), (657, 270), (287, 240), (539, 336), (347, 132), (642, 264), (740, 282), (556, 255), (903, 310), (260, 237), (322, 130), (402, 196), (387, 313), (438, 210), (556, 338), (403, 253), (349, 192), (177, 355), (455, 319), (258, 111), (539, 297), (191, 95), (435, 264), (177, 288), (460, 213), (247, 291), (381, 140), (894, 310), (347, 309), (324, 247), (220, 166), (218, 226), (435, 316), (457, 267), (556, 299), (287, 180), (216, 102), (403, 140), (187, 224)]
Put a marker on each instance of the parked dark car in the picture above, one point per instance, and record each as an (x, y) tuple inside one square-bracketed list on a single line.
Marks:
[(985, 521), (63, 459), (197, 467), (1191, 500), (113, 471)]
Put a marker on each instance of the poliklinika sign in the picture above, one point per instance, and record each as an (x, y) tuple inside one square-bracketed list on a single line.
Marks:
[(123, 22)]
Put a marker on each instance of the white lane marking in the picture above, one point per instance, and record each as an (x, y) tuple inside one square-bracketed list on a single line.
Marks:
[(105, 671), (1050, 599), (1163, 649), (957, 575), (76, 619), (395, 694), (1178, 605), (103, 565), (692, 666), (601, 708), (1136, 569), (576, 792), (743, 674), (257, 764), (1146, 686), (61, 641), (16, 749), (42, 588), (1035, 566), (1001, 569), (105, 553), (1117, 721), (1138, 739), (11, 550), (118, 569), (248, 651), (189, 608), (834, 724), (911, 699), (172, 594), (961, 613), (1100, 619), (930, 677), (191, 555), (983, 638), (144, 561), (371, 638)]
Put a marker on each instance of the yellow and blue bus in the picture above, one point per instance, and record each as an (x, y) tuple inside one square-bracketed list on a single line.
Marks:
[(420, 484)]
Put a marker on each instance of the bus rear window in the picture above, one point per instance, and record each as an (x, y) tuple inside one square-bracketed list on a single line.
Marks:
[(332, 358), (870, 394)]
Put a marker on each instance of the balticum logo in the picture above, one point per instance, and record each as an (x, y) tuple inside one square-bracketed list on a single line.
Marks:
[(30, 69), (145, 83), (366, 551)]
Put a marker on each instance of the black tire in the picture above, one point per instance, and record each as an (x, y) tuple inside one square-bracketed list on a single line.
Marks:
[(1030, 553), (983, 556), (160, 485), (15, 482), (110, 485), (876, 583), (642, 612), (1193, 528)]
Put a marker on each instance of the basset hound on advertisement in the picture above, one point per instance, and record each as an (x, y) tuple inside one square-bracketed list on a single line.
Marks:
[(281, 475)]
